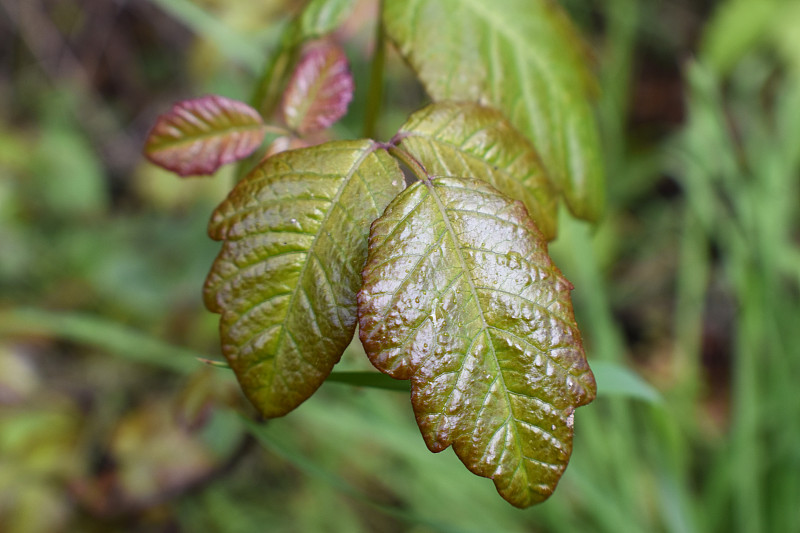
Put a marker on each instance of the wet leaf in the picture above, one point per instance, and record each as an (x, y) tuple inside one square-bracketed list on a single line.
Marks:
[(466, 139), (461, 298), (522, 57), (295, 233), (319, 91), (198, 136)]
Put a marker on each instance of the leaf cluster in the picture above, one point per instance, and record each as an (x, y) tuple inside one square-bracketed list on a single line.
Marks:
[(448, 278)]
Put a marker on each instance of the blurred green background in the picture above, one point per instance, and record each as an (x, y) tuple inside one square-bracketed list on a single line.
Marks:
[(692, 281)]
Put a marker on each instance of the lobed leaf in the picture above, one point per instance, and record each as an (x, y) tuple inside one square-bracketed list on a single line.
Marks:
[(461, 298), (467, 139), (522, 57), (200, 135), (295, 236), (319, 91)]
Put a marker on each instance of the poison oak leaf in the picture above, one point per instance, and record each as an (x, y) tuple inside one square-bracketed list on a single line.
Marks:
[(461, 297), (295, 239), (319, 90), (198, 136), (467, 139), (523, 57)]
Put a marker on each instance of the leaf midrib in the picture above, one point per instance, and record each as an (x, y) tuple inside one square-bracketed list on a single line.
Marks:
[(311, 250), (500, 27), (309, 100), (186, 139), (522, 47), (432, 189)]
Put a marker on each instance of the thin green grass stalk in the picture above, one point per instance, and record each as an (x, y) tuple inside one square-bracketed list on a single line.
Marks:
[(232, 45), (269, 441), (692, 284), (747, 452), (615, 79), (375, 95), (99, 333), (618, 455)]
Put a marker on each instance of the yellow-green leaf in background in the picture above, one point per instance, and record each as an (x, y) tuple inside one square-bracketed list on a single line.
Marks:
[(523, 57)]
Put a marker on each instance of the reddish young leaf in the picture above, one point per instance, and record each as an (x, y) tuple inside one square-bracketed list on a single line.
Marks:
[(200, 135), (320, 90)]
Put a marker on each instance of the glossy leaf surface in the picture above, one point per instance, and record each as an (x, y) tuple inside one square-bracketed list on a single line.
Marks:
[(522, 57), (319, 91), (285, 282), (461, 298), (465, 139), (198, 136)]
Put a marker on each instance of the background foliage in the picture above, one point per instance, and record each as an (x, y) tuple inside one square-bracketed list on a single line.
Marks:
[(692, 280)]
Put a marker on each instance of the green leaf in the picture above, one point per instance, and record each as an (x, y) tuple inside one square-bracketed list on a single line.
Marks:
[(295, 232), (198, 136), (461, 298), (522, 57), (465, 139)]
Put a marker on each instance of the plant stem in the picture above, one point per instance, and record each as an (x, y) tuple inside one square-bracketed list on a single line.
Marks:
[(375, 95), (373, 380), (410, 161)]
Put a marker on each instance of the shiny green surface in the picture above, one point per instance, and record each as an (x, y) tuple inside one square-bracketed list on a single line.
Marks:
[(465, 139), (295, 236), (521, 56), (461, 298)]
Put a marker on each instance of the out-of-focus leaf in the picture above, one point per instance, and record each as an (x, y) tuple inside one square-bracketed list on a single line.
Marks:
[(319, 91), (319, 18), (464, 139), (521, 56), (737, 25), (784, 34), (461, 297), (295, 233), (615, 380), (69, 179), (200, 135)]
